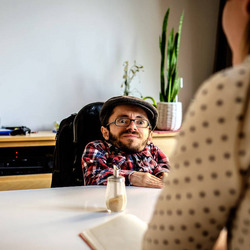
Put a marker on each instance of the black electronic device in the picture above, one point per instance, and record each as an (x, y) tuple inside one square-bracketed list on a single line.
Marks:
[(26, 160), (22, 130)]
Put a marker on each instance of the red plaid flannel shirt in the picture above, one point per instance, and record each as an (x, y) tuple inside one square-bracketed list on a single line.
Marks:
[(100, 156)]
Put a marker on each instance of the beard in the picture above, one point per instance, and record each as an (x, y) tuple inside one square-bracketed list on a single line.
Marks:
[(128, 147)]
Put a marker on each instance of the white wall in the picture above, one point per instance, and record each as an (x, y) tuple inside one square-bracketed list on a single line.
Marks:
[(58, 55)]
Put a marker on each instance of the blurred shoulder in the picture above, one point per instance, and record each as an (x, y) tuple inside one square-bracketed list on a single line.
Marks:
[(96, 144), (228, 82)]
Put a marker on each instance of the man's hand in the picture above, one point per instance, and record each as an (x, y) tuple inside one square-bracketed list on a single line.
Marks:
[(141, 179)]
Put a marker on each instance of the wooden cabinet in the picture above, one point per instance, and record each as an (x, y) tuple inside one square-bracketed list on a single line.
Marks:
[(27, 154), (26, 161), (165, 141)]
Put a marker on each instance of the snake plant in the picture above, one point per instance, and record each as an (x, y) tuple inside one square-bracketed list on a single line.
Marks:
[(170, 83)]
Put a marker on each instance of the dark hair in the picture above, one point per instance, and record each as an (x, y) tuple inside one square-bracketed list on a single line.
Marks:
[(105, 119), (247, 37)]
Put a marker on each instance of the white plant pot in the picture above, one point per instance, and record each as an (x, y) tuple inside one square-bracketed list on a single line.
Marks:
[(170, 115)]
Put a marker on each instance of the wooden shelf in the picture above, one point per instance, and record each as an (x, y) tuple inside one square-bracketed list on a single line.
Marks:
[(43, 138)]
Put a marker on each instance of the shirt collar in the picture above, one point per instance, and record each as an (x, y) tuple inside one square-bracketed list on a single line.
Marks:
[(117, 150)]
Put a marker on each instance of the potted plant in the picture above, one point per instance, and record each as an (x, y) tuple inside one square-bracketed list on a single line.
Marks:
[(170, 110), (129, 74)]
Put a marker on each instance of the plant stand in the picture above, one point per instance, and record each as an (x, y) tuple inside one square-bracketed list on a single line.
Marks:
[(170, 115)]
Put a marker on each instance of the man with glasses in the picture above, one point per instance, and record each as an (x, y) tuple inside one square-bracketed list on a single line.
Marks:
[(127, 127)]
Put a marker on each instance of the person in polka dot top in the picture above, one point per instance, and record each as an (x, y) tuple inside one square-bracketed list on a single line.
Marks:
[(208, 187)]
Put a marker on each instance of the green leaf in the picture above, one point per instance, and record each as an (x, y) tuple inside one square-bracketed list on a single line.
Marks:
[(152, 99), (170, 89), (162, 98), (162, 44), (179, 34), (176, 88)]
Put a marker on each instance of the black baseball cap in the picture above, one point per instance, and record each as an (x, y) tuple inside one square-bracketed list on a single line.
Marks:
[(111, 103)]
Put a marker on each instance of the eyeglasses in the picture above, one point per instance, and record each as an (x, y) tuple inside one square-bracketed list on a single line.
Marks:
[(125, 122)]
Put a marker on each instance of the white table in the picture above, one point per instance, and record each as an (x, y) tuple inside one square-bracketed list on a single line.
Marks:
[(53, 218)]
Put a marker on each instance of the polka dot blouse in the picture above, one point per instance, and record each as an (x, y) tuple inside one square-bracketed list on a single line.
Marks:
[(208, 178)]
